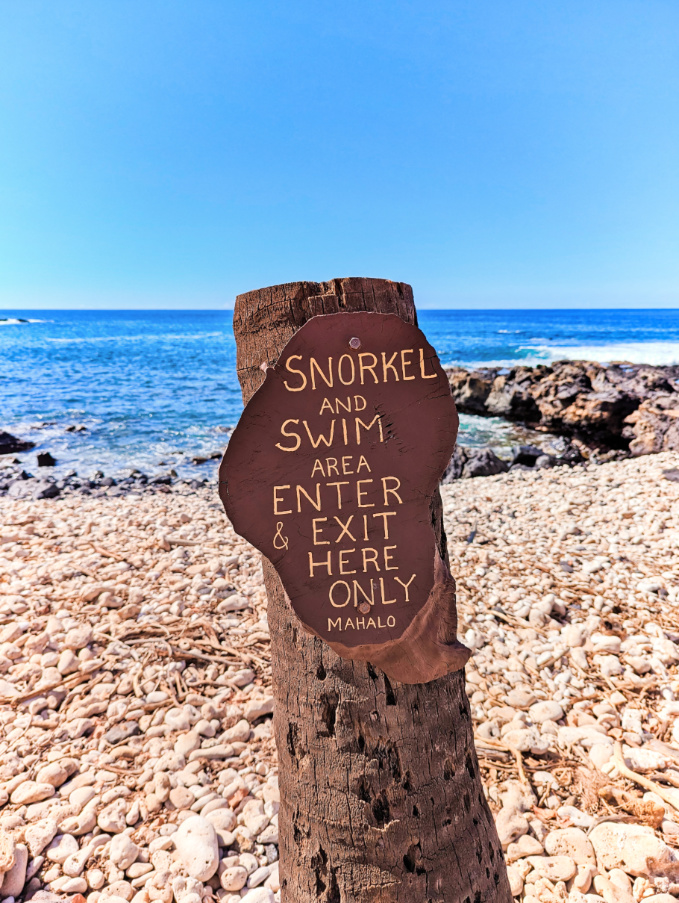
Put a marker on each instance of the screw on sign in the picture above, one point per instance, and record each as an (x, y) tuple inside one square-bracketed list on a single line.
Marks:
[(332, 473)]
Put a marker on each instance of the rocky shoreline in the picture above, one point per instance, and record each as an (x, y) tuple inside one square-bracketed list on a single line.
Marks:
[(631, 408), (596, 413), (17, 483), (137, 761)]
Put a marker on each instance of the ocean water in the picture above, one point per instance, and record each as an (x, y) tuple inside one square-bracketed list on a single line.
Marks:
[(156, 388)]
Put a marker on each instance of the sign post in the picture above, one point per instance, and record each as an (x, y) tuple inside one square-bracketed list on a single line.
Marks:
[(333, 474)]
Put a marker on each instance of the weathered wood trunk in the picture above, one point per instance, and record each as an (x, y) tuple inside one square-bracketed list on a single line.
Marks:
[(381, 798)]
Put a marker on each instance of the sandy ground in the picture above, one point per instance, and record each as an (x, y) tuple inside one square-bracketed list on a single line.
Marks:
[(136, 752)]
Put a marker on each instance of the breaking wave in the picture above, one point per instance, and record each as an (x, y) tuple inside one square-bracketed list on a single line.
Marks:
[(657, 353)]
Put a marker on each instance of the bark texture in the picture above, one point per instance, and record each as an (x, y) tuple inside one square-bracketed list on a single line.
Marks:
[(381, 798)]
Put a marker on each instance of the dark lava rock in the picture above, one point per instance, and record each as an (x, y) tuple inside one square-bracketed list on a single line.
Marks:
[(45, 490), (45, 459), (107, 481), (473, 462), (511, 395), (9, 444), (571, 454), (162, 480), (453, 470), (526, 454), (606, 406), (483, 462)]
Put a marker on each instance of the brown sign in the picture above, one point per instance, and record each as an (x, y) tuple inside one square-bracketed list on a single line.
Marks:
[(330, 473)]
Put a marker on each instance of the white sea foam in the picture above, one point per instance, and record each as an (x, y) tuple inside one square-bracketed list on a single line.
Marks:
[(12, 321), (658, 353)]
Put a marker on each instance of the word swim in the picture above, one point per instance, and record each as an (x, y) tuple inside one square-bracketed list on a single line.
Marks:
[(347, 433), (362, 369), (357, 623)]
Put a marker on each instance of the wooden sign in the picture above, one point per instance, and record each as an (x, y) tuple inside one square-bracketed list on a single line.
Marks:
[(330, 473)]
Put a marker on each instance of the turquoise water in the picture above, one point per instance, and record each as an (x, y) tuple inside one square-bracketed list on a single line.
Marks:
[(155, 388)]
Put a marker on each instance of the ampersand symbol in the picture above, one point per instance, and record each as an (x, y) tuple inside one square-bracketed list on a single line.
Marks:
[(280, 541)]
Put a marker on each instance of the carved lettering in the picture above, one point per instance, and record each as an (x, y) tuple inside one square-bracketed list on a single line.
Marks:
[(331, 470)]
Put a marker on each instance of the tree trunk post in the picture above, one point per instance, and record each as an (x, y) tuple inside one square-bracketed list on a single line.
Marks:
[(381, 796)]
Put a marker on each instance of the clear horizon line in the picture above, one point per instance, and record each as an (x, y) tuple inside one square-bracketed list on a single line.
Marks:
[(15, 310)]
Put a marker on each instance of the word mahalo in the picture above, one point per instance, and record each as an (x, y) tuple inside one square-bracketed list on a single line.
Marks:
[(330, 473)]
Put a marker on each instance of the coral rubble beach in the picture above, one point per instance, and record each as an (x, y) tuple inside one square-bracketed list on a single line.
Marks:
[(137, 760), (135, 688)]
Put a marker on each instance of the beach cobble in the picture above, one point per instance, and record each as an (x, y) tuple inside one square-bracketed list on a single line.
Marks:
[(137, 759), (136, 751), (568, 593)]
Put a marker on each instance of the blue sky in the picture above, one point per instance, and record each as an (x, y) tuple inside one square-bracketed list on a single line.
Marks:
[(493, 153)]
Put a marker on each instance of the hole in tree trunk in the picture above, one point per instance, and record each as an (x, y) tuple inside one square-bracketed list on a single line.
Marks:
[(292, 739), (469, 765), (381, 810), (363, 793), (411, 859), (329, 712), (319, 863), (333, 889)]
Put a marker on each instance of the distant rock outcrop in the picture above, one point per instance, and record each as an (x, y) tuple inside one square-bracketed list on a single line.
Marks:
[(631, 407)]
